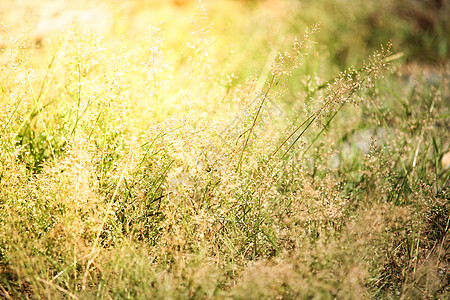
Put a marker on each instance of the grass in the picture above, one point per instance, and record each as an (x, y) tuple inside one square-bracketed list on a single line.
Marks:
[(226, 149)]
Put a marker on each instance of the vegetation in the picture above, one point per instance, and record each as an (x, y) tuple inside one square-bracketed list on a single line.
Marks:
[(226, 149)]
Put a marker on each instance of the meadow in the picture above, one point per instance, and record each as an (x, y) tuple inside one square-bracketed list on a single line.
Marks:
[(224, 149)]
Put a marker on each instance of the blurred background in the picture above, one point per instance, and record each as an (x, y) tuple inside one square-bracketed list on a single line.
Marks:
[(349, 29)]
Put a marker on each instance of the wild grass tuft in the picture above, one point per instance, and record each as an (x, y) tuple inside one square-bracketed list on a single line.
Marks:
[(182, 160)]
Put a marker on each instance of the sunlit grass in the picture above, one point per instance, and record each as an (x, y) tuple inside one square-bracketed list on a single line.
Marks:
[(222, 149)]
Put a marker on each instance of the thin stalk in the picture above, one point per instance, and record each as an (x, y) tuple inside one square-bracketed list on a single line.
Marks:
[(102, 224), (253, 124), (42, 119), (78, 94), (32, 114), (322, 130)]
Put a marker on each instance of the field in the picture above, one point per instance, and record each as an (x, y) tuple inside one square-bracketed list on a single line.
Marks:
[(224, 149)]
